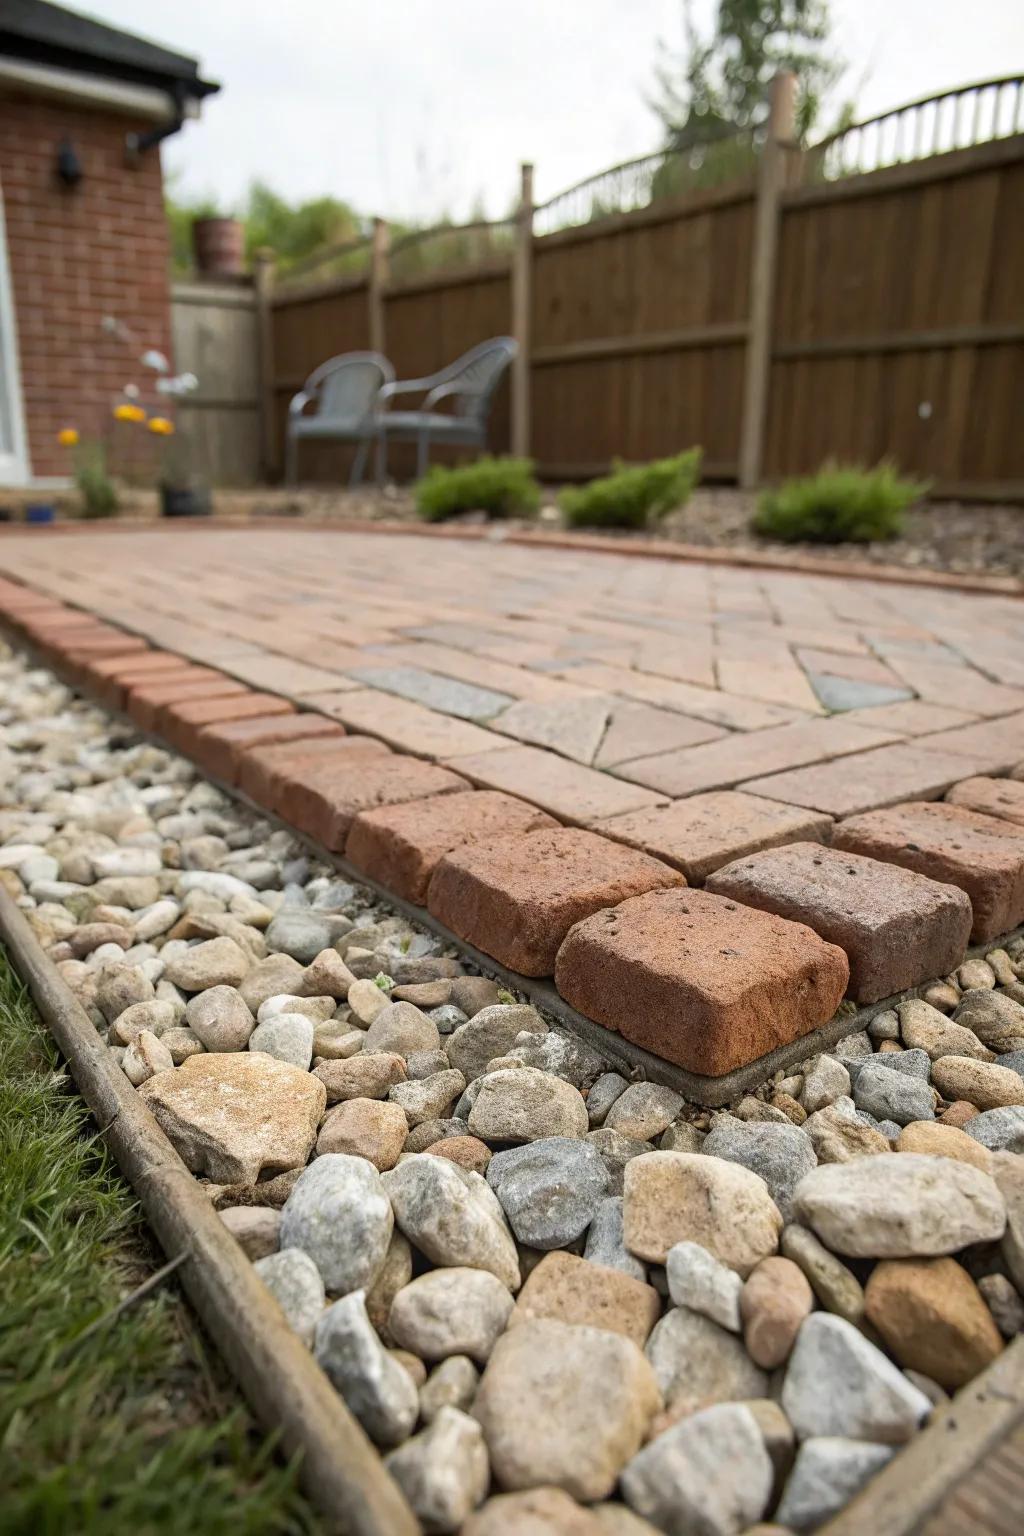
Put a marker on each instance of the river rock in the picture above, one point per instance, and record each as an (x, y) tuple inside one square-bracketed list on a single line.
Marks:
[(429, 1098), (377, 1389), (603, 1094), (697, 1361), (365, 1128), (644, 1111), (1001, 1130), (892, 1095), (327, 973), (288, 1036), (145, 1057), (119, 986), (402, 1029), (299, 932), (670, 1197), (825, 1080), (155, 1017), (605, 1243), (935, 1140), (1008, 1172), (677, 1480), (451, 1312), (451, 1384), (523, 1104), (339, 1213), (838, 1136), (779, 1154), (491, 1032), (980, 1082), (776, 1298), (699, 1281), (997, 1020), (827, 1473), (569, 1289), (255, 1228), (452, 1217), (443, 1471), (836, 1287), (837, 1383), (210, 963), (564, 1407), (293, 1278), (925, 1028), (616, 1151), (548, 1189), (221, 1019), (933, 1319), (900, 1205), (269, 978), (536, 1512), (234, 1116)]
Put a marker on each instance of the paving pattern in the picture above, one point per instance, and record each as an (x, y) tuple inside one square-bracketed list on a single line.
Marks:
[(691, 715)]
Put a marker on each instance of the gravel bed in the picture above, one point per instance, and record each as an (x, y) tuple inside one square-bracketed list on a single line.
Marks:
[(549, 1294)]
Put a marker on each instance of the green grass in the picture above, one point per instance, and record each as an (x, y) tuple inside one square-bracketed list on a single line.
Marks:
[(633, 496), (134, 1429), (841, 504), (503, 487)]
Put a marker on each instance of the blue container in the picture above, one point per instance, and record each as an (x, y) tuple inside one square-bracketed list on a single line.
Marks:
[(39, 512)]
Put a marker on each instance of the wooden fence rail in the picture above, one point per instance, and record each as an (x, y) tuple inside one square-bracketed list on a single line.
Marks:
[(791, 316)]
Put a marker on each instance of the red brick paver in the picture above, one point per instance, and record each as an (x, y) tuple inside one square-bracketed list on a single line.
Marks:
[(399, 846), (700, 980), (898, 928), (266, 773), (569, 791), (883, 777), (700, 834), (219, 748), (981, 855), (144, 701), (1002, 798), (517, 897), (324, 799), (182, 721)]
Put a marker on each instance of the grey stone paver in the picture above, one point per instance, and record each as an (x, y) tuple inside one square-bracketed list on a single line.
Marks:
[(441, 693)]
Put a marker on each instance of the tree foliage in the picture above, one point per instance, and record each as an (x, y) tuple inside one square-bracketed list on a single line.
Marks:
[(721, 82)]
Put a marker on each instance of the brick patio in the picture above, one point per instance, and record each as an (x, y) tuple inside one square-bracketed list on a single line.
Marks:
[(695, 712)]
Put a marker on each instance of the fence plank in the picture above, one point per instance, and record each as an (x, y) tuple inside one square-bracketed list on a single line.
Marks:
[(215, 336)]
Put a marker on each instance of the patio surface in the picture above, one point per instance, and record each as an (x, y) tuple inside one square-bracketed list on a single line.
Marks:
[(594, 685)]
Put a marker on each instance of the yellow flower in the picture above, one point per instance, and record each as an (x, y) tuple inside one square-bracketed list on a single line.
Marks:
[(126, 412), (68, 437), (161, 425)]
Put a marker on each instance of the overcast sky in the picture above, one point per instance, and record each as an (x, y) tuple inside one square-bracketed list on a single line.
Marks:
[(415, 108)]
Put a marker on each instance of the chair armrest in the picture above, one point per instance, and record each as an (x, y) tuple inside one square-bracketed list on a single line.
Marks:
[(298, 403), (405, 387), (440, 391)]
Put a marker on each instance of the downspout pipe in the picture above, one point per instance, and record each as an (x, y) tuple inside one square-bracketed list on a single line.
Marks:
[(136, 144)]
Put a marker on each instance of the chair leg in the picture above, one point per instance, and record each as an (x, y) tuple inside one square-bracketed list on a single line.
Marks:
[(290, 459), (359, 463), (381, 459), (422, 444)]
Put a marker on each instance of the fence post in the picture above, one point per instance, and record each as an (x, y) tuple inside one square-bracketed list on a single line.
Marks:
[(379, 273), (522, 262), (771, 179), (263, 288)]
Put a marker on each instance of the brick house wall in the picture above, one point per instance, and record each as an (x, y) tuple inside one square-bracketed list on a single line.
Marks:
[(76, 255)]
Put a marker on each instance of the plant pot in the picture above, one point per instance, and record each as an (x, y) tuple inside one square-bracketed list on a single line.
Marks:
[(184, 501), (218, 246), (39, 512)]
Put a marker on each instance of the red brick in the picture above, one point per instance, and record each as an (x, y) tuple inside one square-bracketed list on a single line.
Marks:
[(898, 928), (516, 897), (399, 845), (405, 725), (981, 855), (1002, 798), (266, 774), (699, 980), (570, 791), (871, 779), (720, 764), (182, 721), (701, 833), (110, 677), (219, 748), (323, 800), (144, 702)]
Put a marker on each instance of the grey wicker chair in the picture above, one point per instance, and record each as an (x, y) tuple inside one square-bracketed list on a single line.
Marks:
[(344, 391), (470, 382)]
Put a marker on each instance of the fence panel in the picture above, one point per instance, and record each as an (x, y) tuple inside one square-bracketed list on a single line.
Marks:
[(639, 324), (215, 336), (899, 322)]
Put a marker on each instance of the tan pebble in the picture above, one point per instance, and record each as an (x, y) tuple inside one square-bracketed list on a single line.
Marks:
[(933, 1318), (537, 1512), (468, 1151), (889, 1045), (790, 1108), (773, 1303), (942, 996), (255, 1228), (936, 1139), (981, 1082), (366, 1128), (976, 976), (573, 1290), (958, 1113), (412, 1363), (1002, 967)]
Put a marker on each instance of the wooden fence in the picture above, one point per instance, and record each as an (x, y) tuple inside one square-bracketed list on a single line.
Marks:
[(810, 309)]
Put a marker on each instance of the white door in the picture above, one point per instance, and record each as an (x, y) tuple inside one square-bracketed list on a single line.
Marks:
[(13, 451)]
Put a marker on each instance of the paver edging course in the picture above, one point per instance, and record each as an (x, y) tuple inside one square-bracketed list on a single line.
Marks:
[(321, 820)]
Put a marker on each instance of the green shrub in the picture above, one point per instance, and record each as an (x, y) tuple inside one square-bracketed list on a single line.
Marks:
[(633, 497), (501, 487), (97, 490), (841, 504)]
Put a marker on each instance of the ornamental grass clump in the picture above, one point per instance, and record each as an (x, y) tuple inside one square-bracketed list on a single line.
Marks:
[(502, 487), (633, 496), (841, 504)]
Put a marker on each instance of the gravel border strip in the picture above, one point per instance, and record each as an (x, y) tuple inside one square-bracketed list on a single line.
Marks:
[(341, 1470)]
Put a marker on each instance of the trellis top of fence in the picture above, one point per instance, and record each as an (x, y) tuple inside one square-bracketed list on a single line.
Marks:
[(957, 118)]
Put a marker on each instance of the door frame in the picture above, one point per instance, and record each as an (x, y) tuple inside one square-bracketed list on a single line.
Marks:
[(14, 463)]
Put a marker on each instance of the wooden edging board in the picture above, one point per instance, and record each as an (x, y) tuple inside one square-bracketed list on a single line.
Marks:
[(340, 1469)]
